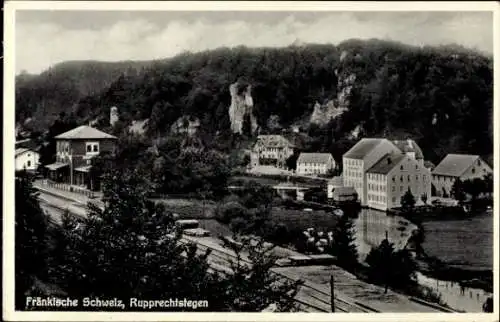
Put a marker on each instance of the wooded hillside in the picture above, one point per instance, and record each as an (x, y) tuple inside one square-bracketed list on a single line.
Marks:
[(441, 97)]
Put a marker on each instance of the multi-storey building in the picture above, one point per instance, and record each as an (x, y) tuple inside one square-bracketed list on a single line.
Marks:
[(315, 163), (457, 166), (361, 157), (271, 150), (392, 176), (74, 152)]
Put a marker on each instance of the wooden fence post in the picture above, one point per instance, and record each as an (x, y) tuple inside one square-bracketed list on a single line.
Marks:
[(332, 293)]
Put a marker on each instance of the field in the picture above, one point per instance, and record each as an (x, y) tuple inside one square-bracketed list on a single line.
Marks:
[(301, 220), (189, 208), (465, 244)]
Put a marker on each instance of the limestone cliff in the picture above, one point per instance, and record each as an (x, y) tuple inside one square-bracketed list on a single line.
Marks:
[(241, 106), (322, 114)]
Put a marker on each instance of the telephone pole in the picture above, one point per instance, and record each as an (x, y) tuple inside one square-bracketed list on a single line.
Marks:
[(332, 293)]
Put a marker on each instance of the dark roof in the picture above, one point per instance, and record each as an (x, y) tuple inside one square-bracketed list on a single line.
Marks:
[(362, 148), (344, 191), (454, 165), (85, 132), (314, 157), (387, 163), (409, 146)]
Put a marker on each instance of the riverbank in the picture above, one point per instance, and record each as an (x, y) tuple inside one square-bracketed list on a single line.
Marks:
[(454, 245)]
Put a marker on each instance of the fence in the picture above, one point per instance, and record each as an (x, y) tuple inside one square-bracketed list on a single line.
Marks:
[(69, 188)]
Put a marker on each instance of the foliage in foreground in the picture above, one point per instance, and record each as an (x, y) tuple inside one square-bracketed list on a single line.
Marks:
[(131, 249)]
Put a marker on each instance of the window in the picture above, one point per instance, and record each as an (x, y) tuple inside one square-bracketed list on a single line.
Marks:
[(473, 170), (416, 167), (89, 148), (409, 178), (401, 178), (401, 168), (416, 177), (393, 179), (29, 163), (400, 188), (393, 188), (393, 199), (423, 177), (29, 154)]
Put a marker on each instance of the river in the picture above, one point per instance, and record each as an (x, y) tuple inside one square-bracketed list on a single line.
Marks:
[(464, 243)]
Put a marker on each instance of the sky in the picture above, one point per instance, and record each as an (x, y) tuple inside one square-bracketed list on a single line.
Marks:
[(45, 38)]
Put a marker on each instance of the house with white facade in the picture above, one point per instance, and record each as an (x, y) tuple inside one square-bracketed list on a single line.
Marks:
[(361, 157), (392, 176), (315, 163), (458, 166), (271, 150), (26, 159)]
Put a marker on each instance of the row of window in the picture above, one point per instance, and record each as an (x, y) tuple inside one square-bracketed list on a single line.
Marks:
[(408, 178), (314, 165), (92, 147), (376, 198), (354, 174), (376, 187), (353, 162)]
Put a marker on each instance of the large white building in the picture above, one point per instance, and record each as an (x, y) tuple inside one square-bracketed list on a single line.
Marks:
[(315, 163), (457, 166), (392, 176), (26, 159), (361, 157)]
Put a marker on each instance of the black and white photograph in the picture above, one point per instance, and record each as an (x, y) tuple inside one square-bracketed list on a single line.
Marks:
[(244, 157)]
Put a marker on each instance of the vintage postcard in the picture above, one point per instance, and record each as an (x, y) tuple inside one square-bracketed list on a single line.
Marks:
[(250, 161)]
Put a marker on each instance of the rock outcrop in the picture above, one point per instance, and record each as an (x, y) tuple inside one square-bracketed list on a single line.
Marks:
[(322, 114), (241, 107)]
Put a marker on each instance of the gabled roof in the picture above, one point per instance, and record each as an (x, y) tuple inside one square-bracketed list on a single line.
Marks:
[(85, 132), (362, 148), (314, 157), (387, 163), (20, 151), (273, 141), (454, 165), (409, 146), (344, 191), (336, 181)]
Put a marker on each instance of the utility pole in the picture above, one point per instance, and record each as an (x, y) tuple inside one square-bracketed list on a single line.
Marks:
[(332, 293)]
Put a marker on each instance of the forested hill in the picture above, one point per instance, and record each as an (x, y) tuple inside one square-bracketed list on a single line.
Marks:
[(440, 96), (60, 87)]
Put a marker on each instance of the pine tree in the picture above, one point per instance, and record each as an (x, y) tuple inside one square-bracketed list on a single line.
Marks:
[(344, 247)]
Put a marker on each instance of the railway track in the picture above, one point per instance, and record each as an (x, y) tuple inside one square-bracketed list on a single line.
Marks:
[(309, 298)]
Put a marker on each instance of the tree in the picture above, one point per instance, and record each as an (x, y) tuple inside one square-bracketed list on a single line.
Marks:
[(389, 267), (253, 286), (424, 198), (129, 249), (488, 305), (291, 162), (344, 247), (379, 260), (31, 227), (473, 187), (408, 200), (457, 191)]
